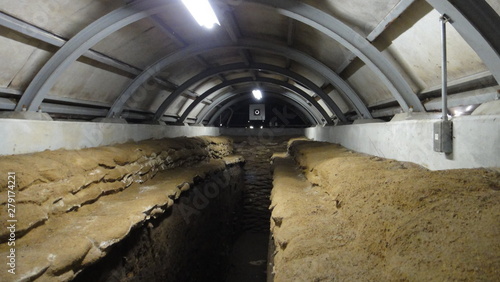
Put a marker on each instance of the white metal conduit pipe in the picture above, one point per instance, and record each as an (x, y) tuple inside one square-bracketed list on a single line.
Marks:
[(443, 131), (444, 70)]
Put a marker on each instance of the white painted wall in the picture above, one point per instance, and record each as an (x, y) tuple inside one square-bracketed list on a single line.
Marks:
[(476, 141), (476, 138), (265, 133), (28, 136)]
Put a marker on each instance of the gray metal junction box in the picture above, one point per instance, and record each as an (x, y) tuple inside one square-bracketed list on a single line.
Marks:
[(443, 137)]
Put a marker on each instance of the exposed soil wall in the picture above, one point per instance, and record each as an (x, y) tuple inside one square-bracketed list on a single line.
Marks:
[(71, 207), (190, 242), (343, 216)]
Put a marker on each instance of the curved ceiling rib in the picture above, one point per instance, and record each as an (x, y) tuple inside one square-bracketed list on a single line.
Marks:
[(134, 11), (241, 66), (302, 105), (209, 109), (234, 99), (487, 21), (40, 86), (353, 41), (293, 54), (250, 79)]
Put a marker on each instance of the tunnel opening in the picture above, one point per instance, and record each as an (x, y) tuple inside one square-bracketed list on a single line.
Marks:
[(273, 113), (116, 167)]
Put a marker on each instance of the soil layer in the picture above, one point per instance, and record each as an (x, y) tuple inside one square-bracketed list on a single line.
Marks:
[(343, 216)]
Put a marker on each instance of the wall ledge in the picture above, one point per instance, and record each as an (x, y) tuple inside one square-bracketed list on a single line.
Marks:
[(476, 141), (31, 136)]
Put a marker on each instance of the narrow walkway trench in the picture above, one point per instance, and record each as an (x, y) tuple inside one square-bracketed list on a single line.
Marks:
[(249, 255)]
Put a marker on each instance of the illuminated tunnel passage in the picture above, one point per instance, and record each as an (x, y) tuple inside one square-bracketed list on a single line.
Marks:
[(267, 112), (104, 109)]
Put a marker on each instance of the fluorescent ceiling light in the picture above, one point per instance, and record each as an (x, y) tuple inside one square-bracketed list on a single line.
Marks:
[(257, 94), (202, 12)]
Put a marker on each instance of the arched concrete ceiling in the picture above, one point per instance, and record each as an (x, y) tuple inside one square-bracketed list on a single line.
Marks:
[(228, 101), (356, 56), (211, 72), (155, 68), (223, 102), (298, 91)]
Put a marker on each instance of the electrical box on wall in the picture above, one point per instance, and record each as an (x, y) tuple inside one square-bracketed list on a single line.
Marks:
[(443, 136), (257, 112)]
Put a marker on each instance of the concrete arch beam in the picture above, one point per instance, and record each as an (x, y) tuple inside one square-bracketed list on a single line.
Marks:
[(340, 32), (45, 79), (281, 83), (138, 10), (304, 59), (239, 66), (299, 11), (231, 67), (233, 98), (478, 24), (207, 110), (305, 115)]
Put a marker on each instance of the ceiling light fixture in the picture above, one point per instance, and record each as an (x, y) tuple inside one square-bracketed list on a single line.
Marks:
[(257, 94), (202, 12)]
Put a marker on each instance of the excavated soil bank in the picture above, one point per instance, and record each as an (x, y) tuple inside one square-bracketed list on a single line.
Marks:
[(180, 245), (342, 216), (169, 210), (148, 209)]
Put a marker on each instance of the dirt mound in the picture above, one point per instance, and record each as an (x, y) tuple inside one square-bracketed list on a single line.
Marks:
[(361, 218)]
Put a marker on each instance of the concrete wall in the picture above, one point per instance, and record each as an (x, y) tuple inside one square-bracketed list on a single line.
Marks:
[(264, 133), (476, 138), (27, 136), (476, 141)]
